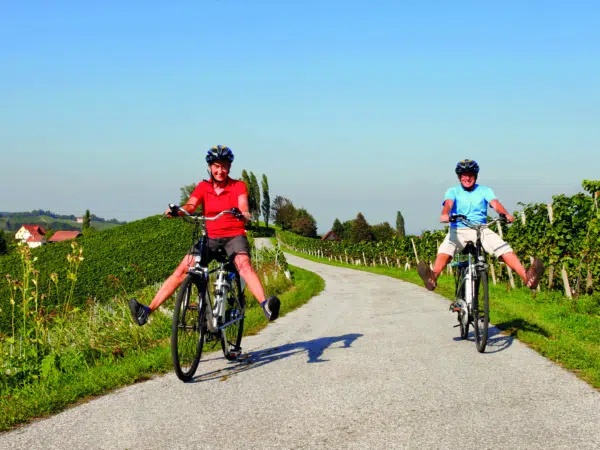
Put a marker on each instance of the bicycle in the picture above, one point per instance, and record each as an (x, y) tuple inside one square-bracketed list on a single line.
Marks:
[(471, 284), (200, 317)]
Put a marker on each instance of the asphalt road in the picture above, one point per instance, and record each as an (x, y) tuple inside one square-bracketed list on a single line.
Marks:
[(372, 362)]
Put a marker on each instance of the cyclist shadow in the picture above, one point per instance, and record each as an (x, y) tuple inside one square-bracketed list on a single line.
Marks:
[(251, 360), (496, 342), (502, 335)]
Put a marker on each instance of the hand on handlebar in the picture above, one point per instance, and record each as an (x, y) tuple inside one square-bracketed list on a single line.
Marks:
[(445, 218)]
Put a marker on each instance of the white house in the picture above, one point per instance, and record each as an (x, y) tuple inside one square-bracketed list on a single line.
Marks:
[(33, 235)]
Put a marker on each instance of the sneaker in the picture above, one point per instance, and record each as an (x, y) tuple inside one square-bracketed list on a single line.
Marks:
[(139, 312), (271, 308)]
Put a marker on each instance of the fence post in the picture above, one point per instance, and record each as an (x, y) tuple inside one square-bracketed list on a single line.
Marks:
[(565, 278), (415, 249)]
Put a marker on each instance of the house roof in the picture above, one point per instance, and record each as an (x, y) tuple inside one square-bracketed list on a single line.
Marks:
[(35, 237), (64, 236), (330, 232), (34, 229)]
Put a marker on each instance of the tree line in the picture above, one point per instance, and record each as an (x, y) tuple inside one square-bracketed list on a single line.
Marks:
[(359, 230)]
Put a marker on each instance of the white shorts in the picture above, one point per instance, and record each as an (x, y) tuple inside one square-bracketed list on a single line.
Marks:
[(457, 238)]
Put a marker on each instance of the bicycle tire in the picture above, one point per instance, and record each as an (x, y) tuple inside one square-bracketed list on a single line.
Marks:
[(188, 328), (231, 336), (481, 317)]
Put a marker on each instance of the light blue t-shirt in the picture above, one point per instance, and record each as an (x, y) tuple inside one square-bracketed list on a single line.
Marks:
[(473, 204)]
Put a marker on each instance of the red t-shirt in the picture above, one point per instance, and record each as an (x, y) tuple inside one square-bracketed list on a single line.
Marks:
[(213, 203)]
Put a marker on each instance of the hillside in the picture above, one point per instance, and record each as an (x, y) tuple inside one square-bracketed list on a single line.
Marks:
[(12, 221), (46, 221), (127, 257)]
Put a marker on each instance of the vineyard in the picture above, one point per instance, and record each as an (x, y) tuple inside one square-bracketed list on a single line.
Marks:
[(564, 234), (117, 261)]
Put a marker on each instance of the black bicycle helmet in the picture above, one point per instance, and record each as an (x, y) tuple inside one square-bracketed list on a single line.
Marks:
[(219, 153), (467, 165)]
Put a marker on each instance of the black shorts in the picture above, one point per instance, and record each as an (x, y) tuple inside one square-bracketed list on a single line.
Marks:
[(229, 247)]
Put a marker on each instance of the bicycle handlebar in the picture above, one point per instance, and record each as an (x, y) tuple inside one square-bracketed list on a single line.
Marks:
[(462, 218), (175, 209)]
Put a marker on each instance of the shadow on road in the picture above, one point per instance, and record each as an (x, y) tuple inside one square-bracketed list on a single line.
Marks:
[(497, 341), (314, 350)]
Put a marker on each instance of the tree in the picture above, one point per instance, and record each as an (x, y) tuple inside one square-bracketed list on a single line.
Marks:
[(3, 243), (283, 212), (248, 183), (255, 197), (347, 234), (400, 231), (87, 219), (383, 231), (186, 191), (361, 230), (266, 201), (304, 224), (338, 228)]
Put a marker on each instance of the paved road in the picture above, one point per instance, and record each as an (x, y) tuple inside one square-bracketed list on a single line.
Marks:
[(372, 362)]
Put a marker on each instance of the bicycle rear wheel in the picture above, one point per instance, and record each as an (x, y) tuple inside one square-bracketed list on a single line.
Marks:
[(481, 311), (188, 328), (231, 335)]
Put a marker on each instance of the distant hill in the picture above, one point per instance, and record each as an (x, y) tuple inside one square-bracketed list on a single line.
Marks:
[(12, 221)]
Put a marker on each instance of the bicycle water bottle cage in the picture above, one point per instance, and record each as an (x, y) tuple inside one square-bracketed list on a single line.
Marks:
[(469, 249)]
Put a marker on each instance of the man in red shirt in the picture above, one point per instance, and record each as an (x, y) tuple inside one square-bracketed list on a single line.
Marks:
[(228, 232)]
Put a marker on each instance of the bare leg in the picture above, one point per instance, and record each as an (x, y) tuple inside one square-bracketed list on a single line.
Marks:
[(513, 262), (242, 262), (172, 283), (441, 261)]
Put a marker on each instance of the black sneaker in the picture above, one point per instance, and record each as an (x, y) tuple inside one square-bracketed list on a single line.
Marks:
[(139, 312), (271, 308)]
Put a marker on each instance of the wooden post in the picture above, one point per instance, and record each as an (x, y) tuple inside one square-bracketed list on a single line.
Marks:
[(551, 268), (531, 259), (346, 252), (415, 249), (565, 278), (364, 259), (510, 274), (550, 212)]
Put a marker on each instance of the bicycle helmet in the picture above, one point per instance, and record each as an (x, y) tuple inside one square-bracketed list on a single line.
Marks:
[(467, 165), (219, 153)]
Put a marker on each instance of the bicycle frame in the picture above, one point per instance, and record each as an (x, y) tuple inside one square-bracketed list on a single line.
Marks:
[(215, 313)]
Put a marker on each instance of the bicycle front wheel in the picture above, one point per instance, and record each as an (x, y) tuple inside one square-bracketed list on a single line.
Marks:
[(188, 328), (231, 334), (481, 312)]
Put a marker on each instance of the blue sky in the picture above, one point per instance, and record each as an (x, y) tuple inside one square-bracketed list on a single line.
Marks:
[(347, 106)]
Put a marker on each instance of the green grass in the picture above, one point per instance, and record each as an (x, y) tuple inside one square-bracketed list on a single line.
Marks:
[(45, 398), (564, 331)]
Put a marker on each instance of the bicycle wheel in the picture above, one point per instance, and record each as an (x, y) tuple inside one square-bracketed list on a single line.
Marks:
[(188, 328), (231, 335), (481, 311)]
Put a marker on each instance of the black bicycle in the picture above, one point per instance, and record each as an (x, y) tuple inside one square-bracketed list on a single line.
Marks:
[(471, 284), (202, 314)]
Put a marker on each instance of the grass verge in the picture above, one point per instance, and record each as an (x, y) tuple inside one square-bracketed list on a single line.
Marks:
[(45, 398), (564, 331)]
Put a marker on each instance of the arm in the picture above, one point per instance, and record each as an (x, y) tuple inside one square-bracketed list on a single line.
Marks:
[(243, 202), (500, 209), (445, 217)]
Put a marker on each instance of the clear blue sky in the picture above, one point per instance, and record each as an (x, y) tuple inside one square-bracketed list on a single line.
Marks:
[(347, 106)]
